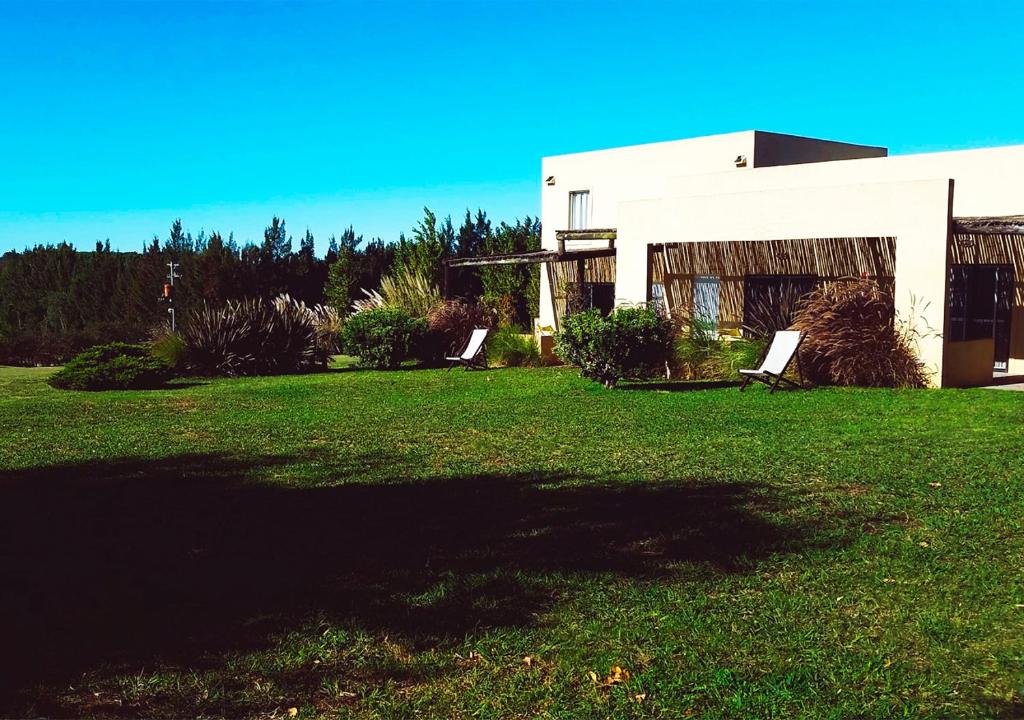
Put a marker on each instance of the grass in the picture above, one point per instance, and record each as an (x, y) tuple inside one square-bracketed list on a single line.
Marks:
[(476, 544)]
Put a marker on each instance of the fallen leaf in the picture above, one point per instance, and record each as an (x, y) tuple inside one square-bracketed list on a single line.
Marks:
[(615, 676), (593, 675), (640, 697), (934, 484), (527, 661), (888, 662), (923, 544), (292, 712)]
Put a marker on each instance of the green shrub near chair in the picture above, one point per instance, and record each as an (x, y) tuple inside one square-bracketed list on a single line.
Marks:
[(701, 353), (631, 342), (508, 347), (383, 337), (115, 366)]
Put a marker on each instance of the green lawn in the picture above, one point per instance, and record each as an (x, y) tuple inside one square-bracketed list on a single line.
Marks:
[(397, 544)]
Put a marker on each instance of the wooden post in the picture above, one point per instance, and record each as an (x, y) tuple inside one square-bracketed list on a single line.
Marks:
[(664, 282), (551, 292), (446, 281)]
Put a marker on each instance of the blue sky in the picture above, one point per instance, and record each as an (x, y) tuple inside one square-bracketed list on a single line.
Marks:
[(120, 117)]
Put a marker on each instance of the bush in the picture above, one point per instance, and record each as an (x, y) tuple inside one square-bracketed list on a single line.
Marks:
[(384, 337), (450, 325), (852, 337), (254, 337), (509, 348), (116, 366), (170, 348), (631, 342)]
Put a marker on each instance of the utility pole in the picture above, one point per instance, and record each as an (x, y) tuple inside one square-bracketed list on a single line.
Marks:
[(168, 296)]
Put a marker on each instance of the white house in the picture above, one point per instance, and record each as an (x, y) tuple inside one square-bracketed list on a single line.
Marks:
[(711, 224)]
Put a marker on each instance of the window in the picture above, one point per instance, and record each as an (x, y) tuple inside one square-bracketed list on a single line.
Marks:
[(599, 295), (579, 209), (658, 297), (769, 301), (705, 301), (980, 304)]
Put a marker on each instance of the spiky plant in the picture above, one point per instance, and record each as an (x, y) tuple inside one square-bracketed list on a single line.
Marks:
[(254, 337), (853, 337), (407, 290), (451, 323)]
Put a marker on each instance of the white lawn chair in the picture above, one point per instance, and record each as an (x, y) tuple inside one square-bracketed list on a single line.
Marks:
[(473, 355), (782, 351)]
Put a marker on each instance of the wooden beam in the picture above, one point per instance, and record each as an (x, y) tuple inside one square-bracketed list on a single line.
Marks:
[(1001, 225), (527, 258), (590, 234)]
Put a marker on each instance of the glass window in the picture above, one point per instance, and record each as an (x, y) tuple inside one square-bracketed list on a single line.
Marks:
[(705, 301), (579, 209), (658, 297), (600, 295), (980, 306), (769, 301)]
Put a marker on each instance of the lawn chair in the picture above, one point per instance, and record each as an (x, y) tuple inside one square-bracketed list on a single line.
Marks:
[(473, 355), (781, 353)]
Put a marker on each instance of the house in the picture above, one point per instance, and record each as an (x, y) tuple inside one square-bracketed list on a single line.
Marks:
[(730, 226)]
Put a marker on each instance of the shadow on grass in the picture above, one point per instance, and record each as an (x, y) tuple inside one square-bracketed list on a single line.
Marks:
[(680, 385), (123, 564)]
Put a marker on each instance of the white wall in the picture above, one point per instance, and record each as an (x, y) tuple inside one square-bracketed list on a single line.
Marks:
[(621, 174), (988, 181), (916, 212)]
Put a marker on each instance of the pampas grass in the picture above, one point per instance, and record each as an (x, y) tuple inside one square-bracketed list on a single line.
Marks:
[(853, 337)]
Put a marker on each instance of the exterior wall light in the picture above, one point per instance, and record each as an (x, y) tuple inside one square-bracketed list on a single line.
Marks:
[(741, 161), (550, 180)]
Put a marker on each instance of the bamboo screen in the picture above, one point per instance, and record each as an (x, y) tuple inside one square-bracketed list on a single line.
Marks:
[(831, 259), (564, 275)]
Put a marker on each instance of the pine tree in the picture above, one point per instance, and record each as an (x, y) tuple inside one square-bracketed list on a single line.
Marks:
[(342, 274), (427, 249)]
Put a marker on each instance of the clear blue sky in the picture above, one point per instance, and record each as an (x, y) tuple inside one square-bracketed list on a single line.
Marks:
[(120, 117)]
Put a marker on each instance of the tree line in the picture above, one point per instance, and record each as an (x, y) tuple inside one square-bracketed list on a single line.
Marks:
[(56, 300)]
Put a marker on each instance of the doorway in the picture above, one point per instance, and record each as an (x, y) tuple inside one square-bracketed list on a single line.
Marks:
[(980, 303)]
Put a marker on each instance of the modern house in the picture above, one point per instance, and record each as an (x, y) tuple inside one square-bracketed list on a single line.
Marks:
[(727, 225)]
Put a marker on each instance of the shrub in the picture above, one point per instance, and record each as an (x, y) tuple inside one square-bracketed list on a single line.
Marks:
[(327, 324), (509, 348), (170, 348), (852, 337), (254, 337), (116, 366), (701, 354), (631, 342), (406, 290), (384, 337), (450, 325)]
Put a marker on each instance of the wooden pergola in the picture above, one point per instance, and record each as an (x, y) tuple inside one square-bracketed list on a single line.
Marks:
[(546, 257)]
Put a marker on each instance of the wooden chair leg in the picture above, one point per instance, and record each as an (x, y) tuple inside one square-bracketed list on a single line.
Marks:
[(775, 385), (746, 381)]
